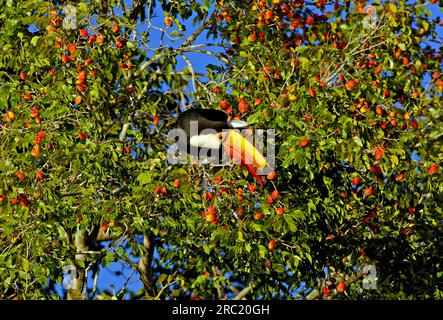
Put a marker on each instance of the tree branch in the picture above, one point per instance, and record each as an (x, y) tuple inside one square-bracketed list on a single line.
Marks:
[(243, 293), (197, 32)]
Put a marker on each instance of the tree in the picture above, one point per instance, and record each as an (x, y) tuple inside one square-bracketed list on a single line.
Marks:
[(352, 91)]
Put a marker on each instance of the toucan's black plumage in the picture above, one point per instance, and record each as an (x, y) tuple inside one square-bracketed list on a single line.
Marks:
[(206, 118)]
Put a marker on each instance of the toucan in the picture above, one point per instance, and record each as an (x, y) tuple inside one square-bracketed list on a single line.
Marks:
[(208, 128)]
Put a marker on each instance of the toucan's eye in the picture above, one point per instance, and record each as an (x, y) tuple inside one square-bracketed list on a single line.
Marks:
[(220, 137)]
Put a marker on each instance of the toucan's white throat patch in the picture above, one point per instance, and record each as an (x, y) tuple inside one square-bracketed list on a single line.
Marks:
[(210, 141)]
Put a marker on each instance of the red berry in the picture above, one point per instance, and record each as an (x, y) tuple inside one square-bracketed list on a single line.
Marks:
[(211, 210), (326, 292), (83, 33), (157, 190), (356, 181), (37, 140), (239, 196), (72, 48), (433, 169), (208, 196), (303, 143), (350, 84), (216, 90), (274, 194), (21, 176), (310, 20), (91, 39), (224, 105), (378, 154), (312, 92), (64, 58)]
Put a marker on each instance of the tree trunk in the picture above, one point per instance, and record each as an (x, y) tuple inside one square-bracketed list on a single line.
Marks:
[(77, 282), (145, 264)]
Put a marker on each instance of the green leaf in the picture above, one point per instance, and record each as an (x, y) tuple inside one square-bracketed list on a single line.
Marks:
[(278, 267), (80, 263), (357, 140), (162, 277), (262, 251), (240, 236), (394, 160), (256, 226), (291, 223), (144, 178), (34, 40)]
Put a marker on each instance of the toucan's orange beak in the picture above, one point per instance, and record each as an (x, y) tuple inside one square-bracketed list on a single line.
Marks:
[(241, 150)]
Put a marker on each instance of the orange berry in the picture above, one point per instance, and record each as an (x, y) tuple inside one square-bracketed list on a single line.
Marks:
[(72, 47), (272, 245), (341, 287), (168, 21), (272, 175), (40, 175), (369, 191), (258, 215)]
